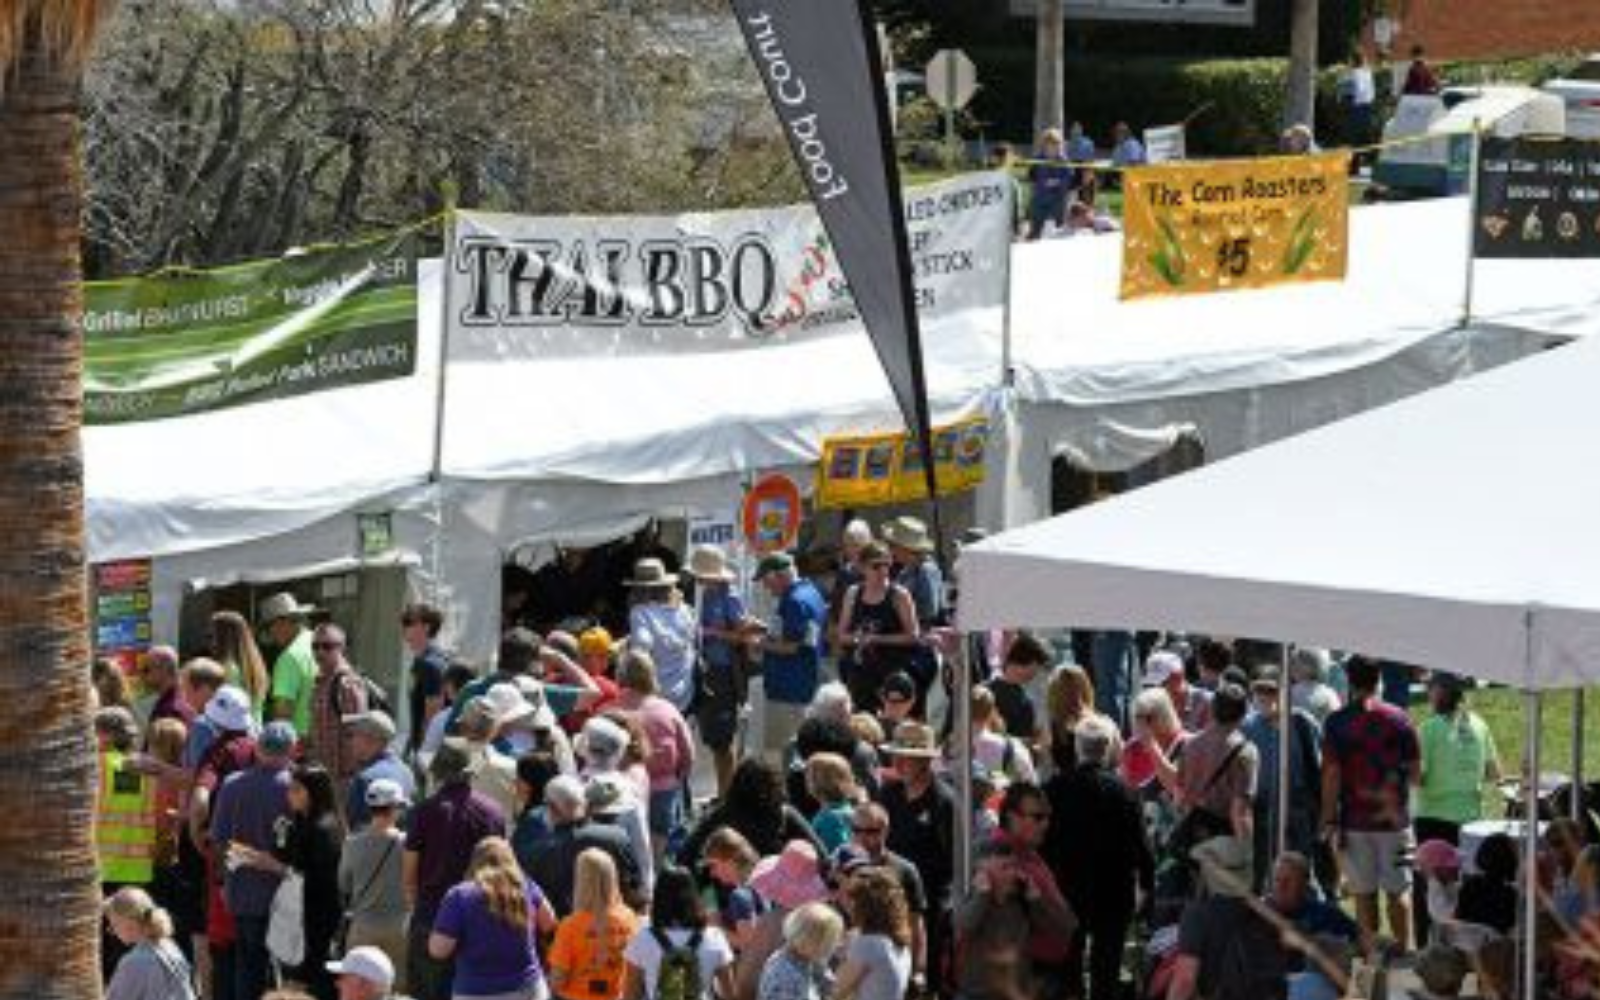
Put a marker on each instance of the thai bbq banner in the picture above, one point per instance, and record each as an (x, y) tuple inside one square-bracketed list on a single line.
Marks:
[(184, 342), (570, 286), (1223, 225), (872, 470), (1537, 198)]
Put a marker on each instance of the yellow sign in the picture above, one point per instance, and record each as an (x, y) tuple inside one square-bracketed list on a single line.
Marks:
[(1221, 225), (872, 470)]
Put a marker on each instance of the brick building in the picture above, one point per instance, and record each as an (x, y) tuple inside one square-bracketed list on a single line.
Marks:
[(1482, 29)]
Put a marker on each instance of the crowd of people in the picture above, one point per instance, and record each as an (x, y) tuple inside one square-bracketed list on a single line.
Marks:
[(270, 831), (1063, 183), (1065, 169)]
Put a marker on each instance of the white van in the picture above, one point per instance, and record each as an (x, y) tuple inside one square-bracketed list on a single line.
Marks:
[(1580, 91), (1438, 159)]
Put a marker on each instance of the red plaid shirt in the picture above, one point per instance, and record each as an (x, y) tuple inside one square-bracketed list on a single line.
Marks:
[(325, 743)]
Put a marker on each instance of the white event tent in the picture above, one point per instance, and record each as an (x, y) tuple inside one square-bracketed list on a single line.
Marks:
[(1110, 383), (1454, 529), (580, 451)]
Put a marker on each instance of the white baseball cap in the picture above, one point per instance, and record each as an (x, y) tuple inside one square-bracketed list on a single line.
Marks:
[(229, 709), (1161, 666), (366, 963), (384, 793)]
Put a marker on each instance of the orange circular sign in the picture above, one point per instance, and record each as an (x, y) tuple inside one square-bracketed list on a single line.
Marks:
[(770, 515)]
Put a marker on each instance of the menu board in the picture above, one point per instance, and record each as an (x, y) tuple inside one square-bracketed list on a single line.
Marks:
[(1537, 198), (122, 609)]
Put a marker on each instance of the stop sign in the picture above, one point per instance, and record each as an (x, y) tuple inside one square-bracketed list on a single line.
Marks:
[(952, 79)]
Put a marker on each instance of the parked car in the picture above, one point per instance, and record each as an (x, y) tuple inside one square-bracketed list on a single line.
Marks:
[(1439, 160), (1580, 91)]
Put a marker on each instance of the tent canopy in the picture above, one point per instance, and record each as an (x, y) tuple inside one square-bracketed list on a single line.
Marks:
[(1455, 529), (1076, 342)]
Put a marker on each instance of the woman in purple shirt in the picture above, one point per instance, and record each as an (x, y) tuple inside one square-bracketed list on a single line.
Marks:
[(490, 924)]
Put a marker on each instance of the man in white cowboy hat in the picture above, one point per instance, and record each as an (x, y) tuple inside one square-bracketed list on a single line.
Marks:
[(660, 624), (722, 654), (495, 774), (912, 548), (791, 660), (1227, 948), (294, 672), (922, 821), (540, 731)]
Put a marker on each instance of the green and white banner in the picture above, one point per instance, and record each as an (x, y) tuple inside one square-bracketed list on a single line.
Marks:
[(179, 343)]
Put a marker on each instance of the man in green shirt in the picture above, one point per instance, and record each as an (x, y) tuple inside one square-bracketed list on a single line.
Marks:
[(294, 672), (1459, 762)]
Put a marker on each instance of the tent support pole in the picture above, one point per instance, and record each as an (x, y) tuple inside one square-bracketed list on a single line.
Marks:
[(961, 707), (1007, 376), (1472, 220), (436, 472), (1530, 848), (1575, 798), (1285, 733)]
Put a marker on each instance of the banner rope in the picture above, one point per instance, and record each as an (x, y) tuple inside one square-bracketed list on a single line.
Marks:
[(1107, 167), (181, 270)]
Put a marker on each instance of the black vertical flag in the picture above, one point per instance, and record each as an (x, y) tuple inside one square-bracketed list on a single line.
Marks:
[(820, 63)]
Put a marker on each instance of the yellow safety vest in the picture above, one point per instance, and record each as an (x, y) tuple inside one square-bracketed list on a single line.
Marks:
[(125, 823)]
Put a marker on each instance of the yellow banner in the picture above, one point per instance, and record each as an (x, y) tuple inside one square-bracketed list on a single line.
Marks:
[(1221, 225), (872, 470)]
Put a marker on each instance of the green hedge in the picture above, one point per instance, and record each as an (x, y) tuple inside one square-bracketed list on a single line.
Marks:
[(1246, 95)]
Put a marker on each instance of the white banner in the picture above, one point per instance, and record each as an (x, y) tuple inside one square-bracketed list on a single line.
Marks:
[(566, 286)]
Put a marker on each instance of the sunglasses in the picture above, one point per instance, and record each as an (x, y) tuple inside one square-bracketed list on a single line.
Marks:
[(1035, 815), (880, 565), (868, 831), (326, 646)]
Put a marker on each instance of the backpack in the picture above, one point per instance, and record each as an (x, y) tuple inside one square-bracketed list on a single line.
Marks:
[(678, 976), (377, 697), (1253, 966)]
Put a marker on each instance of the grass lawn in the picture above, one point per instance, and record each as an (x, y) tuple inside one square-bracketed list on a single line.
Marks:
[(1501, 708)]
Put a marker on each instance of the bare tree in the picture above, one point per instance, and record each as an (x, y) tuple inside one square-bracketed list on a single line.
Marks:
[(1301, 107), (219, 131), (1049, 70)]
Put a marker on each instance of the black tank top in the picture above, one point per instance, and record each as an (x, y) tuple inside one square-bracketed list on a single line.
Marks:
[(882, 618)]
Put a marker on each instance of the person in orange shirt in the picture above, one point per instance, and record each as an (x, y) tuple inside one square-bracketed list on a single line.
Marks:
[(586, 958)]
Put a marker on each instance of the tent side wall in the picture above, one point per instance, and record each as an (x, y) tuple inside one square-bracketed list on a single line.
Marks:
[(1233, 421)]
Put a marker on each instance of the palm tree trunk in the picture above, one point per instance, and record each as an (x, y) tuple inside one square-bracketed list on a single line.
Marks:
[(1301, 108), (49, 898), (1049, 72)]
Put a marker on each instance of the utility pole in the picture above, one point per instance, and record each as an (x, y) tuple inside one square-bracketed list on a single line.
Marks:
[(1049, 76), (1300, 108)]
